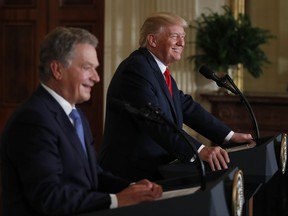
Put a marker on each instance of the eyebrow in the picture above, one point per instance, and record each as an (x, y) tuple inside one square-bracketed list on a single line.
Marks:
[(178, 34)]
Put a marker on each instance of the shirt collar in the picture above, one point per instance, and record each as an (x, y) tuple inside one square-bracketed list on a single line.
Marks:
[(159, 63), (66, 106)]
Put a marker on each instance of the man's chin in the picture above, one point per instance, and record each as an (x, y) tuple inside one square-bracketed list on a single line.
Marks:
[(176, 58), (84, 99)]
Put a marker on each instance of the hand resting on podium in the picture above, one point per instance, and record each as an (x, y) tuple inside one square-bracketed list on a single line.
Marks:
[(240, 141), (218, 157), (141, 191)]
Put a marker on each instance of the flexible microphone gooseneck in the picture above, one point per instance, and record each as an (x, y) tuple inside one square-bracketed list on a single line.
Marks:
[(222, 82)]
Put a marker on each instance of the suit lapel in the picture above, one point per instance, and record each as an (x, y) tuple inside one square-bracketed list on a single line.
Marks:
[(162, 82), (92, 160), (175, 98)]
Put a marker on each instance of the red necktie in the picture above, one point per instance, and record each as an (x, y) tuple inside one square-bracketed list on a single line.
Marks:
[(168, 80)]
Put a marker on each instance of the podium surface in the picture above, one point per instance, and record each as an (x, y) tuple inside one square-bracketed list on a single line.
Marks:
[(215, 200)]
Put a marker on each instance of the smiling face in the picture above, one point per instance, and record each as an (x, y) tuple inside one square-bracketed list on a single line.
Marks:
[(167, 45), (75, 81)]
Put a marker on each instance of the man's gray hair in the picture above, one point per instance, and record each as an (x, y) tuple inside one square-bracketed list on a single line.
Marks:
[(59, 45)]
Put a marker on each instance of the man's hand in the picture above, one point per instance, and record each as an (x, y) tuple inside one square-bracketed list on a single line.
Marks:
[(242, 138), (141, 191), (216, 157)]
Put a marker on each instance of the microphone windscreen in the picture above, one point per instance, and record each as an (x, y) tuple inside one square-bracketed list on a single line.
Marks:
[(120, 106), (205, 71)]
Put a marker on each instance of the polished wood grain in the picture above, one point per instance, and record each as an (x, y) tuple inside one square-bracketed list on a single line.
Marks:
[(270, 112)]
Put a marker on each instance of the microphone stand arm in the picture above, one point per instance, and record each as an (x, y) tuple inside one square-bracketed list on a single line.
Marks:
[(157, 116), (247, 104)]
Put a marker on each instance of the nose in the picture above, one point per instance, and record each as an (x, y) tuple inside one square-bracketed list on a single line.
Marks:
[(181, 41), (95, 76)]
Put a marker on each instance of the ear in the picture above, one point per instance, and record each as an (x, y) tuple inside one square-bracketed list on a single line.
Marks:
[(56, 69), (151, 40)]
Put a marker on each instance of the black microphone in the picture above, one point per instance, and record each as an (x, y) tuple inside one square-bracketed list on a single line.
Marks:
[(120, 106), (209, 74), (144, 112)]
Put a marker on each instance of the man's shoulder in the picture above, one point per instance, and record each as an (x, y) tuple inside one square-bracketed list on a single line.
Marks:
[(37, 108)]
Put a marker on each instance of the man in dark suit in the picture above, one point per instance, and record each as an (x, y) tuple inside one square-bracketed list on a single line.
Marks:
[(45, 168), (134, 147)]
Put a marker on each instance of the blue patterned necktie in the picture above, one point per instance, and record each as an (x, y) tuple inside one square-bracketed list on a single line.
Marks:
[(74, 115)]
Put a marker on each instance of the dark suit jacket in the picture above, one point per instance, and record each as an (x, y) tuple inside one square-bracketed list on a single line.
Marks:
[(134, 148), (44, 169)]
